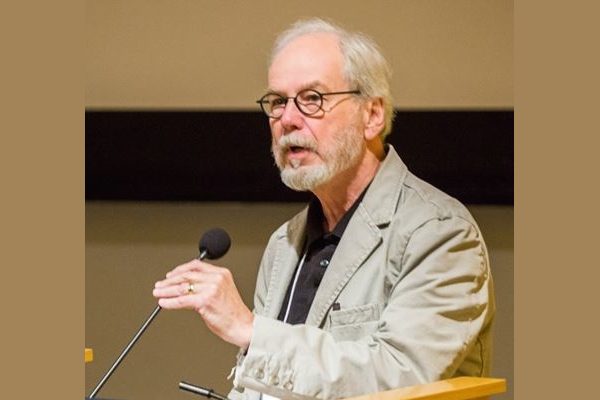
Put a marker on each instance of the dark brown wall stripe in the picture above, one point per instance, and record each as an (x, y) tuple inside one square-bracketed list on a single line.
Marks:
[(224, 155)]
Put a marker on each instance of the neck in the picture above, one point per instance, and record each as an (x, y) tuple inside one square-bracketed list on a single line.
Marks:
[(338, 195)]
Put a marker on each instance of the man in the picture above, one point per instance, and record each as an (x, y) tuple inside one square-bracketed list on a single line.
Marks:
[(383, 281)]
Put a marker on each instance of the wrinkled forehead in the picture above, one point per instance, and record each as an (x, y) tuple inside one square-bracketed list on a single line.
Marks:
[(307, 59)]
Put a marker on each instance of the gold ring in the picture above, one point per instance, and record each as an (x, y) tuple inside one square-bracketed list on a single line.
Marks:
[(190, 288)]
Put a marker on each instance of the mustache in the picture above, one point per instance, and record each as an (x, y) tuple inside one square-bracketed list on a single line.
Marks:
[(293, 139)]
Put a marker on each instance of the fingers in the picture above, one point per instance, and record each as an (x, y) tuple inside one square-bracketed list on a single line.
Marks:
[(188, 266), (192, 301), (205, 295), (186, 277), (190, 271), (177, 283), (174, 290)]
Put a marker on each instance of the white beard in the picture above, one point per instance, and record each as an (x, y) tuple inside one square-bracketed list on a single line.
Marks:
[(344, 152)]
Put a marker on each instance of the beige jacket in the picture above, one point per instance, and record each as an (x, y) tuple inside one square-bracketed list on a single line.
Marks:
[(412, 277)]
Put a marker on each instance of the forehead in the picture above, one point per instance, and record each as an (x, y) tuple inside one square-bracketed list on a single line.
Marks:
[(307, 59)]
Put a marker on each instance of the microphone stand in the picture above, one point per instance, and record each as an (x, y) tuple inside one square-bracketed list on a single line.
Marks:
[(124, 353), (209, 393), (127, 348)]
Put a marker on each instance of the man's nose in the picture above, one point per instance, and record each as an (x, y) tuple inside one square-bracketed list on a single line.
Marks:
[(292, 118)]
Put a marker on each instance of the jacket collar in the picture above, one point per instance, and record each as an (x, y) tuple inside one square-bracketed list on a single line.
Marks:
[(381, 200)]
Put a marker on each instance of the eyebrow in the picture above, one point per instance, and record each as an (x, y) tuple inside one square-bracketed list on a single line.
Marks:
[(309, 85)]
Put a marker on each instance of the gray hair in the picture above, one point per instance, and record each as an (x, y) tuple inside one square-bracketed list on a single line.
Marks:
[(365, 68)]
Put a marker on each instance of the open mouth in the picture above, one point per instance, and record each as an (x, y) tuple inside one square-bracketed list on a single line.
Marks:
[(297, 149)]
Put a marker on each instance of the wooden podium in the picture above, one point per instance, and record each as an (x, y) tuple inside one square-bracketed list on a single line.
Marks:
[(462, 388)]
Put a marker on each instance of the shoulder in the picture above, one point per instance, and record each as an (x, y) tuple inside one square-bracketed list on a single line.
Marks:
[(397, 195), (287, 234), (421, 201)]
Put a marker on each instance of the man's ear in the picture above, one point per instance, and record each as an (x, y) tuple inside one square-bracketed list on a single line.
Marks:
[(374, 118)]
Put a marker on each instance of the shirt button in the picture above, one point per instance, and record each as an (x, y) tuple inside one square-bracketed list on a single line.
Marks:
[(275, 381), (288, 385), (259, 374), (324, 263)]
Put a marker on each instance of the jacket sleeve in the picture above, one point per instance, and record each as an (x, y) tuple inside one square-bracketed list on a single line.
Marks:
[(438, 304)]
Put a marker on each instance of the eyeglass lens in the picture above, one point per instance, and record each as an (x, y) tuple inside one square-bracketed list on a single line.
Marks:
[(308, 102)]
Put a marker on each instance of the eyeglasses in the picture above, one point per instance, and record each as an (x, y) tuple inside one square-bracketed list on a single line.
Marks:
[(308, 101)]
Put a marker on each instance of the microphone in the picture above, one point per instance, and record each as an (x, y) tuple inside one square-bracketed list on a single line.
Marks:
[(213, 244), (209, 393)]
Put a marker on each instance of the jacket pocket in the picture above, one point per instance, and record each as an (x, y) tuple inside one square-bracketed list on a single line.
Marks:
[(354, 323)]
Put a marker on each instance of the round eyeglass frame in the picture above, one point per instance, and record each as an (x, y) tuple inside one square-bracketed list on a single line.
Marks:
[(276, 113)]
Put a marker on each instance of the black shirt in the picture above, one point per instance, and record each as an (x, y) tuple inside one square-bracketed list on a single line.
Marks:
[(318, 251)]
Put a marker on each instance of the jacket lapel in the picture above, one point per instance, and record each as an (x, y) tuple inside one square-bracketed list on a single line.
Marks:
[(360, 238)]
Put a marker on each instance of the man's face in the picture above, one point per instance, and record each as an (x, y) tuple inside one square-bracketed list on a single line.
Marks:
[(312, 150)]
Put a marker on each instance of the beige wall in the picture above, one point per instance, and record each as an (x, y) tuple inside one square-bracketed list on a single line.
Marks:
[(212, 54), (131, 245)]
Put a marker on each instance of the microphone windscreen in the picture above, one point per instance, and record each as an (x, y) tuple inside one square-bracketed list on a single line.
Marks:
[(215, 242)]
